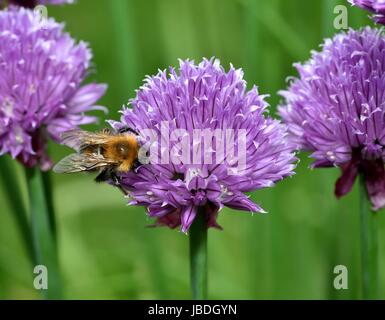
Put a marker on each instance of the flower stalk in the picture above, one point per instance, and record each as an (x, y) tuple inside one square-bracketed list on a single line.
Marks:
[(198, 256), (42, 232), (46, 176), (369, 245), (12, 190), (126, 57)]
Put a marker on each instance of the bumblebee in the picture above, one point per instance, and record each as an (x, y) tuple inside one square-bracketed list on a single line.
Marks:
[(105, 152)]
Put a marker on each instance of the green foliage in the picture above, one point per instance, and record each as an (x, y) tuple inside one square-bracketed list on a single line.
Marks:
[(105, 249)]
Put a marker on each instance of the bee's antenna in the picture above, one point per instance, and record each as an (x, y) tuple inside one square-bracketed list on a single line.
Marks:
[(127, 129), (117, 183)]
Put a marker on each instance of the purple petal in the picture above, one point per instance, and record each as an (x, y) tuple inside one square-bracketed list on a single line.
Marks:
[(188, 216), (86, 96), (242, 202), (159, 211), (346, 181), (213, 191), (212, 214), (374, 173), (171, 220)]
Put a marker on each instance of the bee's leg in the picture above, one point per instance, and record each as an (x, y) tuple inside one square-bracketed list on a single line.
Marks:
[(116, 181), (128, 129), (106, 130), (103, 176), (136, 164), (109, 174)]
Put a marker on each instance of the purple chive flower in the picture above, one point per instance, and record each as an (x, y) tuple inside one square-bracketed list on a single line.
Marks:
[(336, 109), (41, 96), (33, 3), (204, 96), (375, 6)]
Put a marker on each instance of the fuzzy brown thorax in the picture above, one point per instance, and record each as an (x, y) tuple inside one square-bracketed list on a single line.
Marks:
[(123, 149)]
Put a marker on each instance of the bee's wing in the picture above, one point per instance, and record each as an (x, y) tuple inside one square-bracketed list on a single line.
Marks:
[(76, 162), (79, 139)]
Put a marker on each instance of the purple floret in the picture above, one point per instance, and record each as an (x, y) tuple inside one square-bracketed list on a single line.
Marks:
[(375, 6), (335, 109), (204, 96), (41, 91)]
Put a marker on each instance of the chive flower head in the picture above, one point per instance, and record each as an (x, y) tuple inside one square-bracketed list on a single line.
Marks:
[(180, 112), (41, 92), (336, 109)]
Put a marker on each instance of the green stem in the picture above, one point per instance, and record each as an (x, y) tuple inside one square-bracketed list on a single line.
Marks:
[(122, 12), (198, 256), (13, 195), (369, 245), (252, 39), (42, 233), (49, 199)]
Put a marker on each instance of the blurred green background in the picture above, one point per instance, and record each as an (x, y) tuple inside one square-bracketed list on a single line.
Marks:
[(105, 250)]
